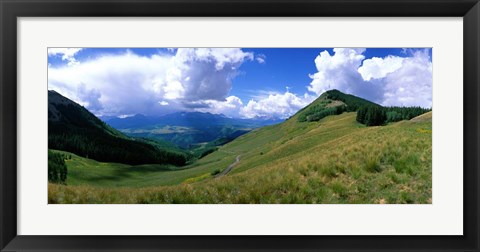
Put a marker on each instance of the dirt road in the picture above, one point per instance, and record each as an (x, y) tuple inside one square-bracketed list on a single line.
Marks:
[(229, 168)]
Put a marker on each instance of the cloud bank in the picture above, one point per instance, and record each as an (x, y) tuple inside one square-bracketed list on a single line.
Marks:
[(129, 83), (276, 105)]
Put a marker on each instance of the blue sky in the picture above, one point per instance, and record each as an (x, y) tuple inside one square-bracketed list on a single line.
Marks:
[(237, 82)]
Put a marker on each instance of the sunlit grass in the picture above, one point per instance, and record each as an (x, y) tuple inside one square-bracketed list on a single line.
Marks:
[(335, 160)]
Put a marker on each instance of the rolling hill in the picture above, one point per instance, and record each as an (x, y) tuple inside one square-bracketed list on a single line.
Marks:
[(334, 159), (73, 128)]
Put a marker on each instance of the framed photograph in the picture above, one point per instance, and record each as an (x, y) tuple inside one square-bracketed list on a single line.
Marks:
[(239, 125)]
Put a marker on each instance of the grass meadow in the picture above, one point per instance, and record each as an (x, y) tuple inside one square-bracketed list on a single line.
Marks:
[(334, 160)]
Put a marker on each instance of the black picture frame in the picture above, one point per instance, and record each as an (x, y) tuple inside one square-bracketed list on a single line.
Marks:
[(10, 10)]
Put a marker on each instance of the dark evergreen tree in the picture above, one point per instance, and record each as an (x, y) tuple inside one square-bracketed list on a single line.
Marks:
[(362, 111), (57, 169)]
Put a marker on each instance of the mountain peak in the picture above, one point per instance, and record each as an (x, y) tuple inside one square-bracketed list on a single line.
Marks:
[(332, 102), (332, 92)]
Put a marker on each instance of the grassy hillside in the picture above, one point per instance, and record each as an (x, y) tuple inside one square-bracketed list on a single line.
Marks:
[(84, 171), (334, 160)]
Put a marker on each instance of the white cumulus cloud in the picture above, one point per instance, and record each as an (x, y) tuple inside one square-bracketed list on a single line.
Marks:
[(276, 105), (378, 68), (129, 83), (411, 84), (337, 71), (230, 107), (390, 81), (271, 105)]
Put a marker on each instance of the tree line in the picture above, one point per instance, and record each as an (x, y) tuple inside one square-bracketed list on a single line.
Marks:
[(106, 148), (368, 113), (377, 115)]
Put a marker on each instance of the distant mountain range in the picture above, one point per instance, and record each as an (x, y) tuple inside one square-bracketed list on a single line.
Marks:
[(187, 129), (186, 119)]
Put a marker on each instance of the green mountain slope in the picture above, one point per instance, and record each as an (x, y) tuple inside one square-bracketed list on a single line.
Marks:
[(73, 128), (332, 102), (333, 160)]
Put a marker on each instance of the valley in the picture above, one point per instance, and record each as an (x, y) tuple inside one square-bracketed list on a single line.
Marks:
[(188, 130), (333, 160)]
